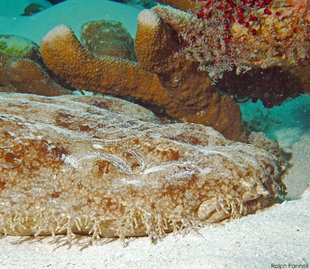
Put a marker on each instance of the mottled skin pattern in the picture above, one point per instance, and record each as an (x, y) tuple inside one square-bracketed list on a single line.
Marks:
[(87, 169)]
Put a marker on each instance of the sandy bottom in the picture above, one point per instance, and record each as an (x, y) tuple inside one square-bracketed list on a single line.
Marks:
[(297, 179)]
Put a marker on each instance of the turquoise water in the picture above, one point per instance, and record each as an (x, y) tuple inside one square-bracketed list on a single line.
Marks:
[(288, 123)]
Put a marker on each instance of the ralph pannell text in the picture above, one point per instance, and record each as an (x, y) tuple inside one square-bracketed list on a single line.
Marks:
[(289, 265)]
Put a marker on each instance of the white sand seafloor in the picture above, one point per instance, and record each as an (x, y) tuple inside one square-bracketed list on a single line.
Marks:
[(278, 237)]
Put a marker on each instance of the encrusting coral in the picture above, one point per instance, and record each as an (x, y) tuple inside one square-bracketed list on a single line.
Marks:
[(178, 88), (88, 170), (241, 35), (253, 31)]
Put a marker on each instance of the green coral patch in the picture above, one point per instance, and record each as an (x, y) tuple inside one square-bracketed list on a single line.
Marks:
[(17, 46)]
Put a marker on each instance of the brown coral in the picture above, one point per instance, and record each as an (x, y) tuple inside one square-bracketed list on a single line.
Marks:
[(65, 56), (181, 90), (156, 46), (25, 75), (180, 4), (87, 170)]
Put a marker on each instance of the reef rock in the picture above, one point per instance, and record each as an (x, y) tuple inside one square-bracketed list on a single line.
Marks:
[(33, 8), (22, 69), (108, 38), (20, 74), (19, 47), (88, 169)]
